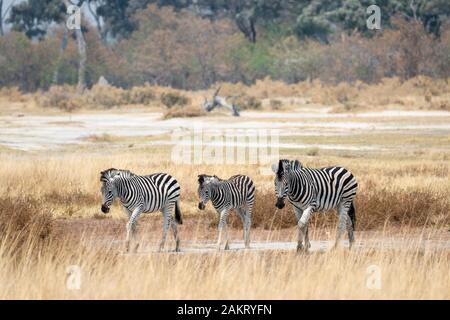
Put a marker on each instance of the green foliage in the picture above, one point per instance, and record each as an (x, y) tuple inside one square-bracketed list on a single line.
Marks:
[(34, 16), (192, 46)]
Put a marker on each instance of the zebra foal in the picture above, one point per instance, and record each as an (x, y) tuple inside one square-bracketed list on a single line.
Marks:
[(238, 193), (310, 190), (139, 194)]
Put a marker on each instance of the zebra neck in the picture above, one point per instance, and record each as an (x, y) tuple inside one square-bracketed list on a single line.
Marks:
[(216, 193), (121, 189), (296, 183)]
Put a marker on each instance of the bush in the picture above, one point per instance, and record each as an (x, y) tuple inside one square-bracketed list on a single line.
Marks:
[(141, 95), (246, 102), (184, 112), (60, 97), (275, 104), (172, 99), (23, 225), (106, 96)]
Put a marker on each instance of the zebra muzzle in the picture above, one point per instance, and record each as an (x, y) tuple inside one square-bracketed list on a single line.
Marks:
[(280, 203), (201, 206), (105, 209)]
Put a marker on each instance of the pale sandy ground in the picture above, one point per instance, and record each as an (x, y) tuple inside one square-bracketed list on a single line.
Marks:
[(51, 132), (199, 237), (196, 246), (37, 132)]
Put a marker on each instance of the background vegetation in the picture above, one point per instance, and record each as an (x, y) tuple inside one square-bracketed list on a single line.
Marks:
[(194, 44)]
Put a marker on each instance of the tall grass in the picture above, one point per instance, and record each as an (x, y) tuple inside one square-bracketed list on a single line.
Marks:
[(411, 273), (42, 194)]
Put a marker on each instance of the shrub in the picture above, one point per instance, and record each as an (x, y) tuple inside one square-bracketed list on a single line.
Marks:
[(60, 97), (172, 99), (106, 96), (24, 226), (246, 102), (184, 112), (141, 95), (275, 104)]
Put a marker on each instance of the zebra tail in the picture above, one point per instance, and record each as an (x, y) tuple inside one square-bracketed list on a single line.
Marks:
[(352, 215), (178, 217)]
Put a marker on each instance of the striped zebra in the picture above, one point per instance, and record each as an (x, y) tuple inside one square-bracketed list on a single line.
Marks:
[(140, 194), (238, 193), (310, 190)]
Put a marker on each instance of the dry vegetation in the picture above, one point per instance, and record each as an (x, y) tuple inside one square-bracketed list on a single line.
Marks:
[(419, 93), (50, 219), (43, 194)]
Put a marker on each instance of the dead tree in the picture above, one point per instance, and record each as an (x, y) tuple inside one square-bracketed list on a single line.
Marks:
[(220, 102)]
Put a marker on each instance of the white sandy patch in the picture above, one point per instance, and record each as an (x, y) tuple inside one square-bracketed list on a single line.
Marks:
[(48, 132)]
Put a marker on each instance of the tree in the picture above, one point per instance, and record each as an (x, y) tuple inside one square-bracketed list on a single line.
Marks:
[(33, 17), (177, 48), (3, 14), (93, 6)]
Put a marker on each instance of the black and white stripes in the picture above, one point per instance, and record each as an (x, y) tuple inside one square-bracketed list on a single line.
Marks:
[(139, 194), (310, 190), (238, 193)]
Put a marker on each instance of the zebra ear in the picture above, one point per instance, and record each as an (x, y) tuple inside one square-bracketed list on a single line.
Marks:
[(275, 167), (297, 164), (201, 179), (286, 165)]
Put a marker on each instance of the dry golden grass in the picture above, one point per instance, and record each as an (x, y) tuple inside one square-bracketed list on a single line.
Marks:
[(41, 273), (50, 219), (189, 111), (35, 250), (419, 93)]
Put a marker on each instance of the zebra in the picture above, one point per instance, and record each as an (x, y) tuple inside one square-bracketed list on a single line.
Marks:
[(139, 194), (238, 192), (309, 190)]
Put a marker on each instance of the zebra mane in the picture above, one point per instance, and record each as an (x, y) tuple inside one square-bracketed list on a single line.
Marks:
[(202, 178), (295, 164), (113, 172)]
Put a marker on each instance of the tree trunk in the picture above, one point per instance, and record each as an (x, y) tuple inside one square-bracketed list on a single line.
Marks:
[(100, 30), (1, 18), (81, 54), (83, 58)]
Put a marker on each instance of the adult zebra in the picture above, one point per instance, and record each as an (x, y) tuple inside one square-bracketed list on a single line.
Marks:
[(139, 194), (309, 190), (238, 192)]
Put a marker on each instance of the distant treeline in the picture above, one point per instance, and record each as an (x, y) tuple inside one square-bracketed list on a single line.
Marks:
[(194, 44)]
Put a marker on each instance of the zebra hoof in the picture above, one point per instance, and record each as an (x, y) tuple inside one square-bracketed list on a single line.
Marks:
[(227, 247)]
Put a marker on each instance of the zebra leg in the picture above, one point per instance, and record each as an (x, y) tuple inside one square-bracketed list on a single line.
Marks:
[(166, 211), (131, 227), (343, 217), (247, 226), (222, 225), (248, 223), (303, 229), (306, 241), (351, 236), (175, 236), (298, 214), (241, 214)]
